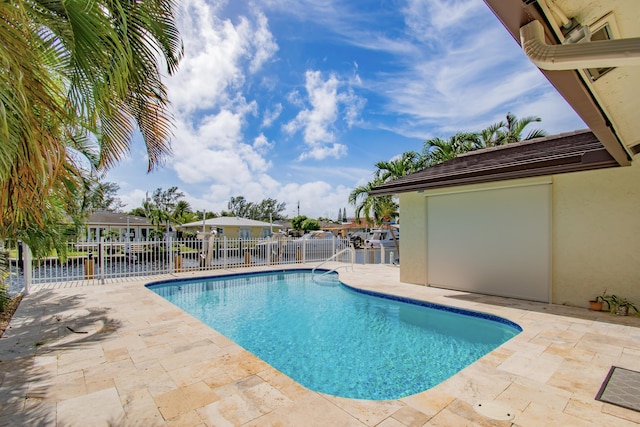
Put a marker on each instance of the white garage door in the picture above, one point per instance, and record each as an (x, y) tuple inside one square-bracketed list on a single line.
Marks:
[(494, 241)]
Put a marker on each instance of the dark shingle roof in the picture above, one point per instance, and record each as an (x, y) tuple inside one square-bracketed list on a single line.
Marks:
[(567, 152)]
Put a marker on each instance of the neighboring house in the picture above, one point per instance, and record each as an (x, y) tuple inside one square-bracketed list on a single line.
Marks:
[(233, 227), (553, 219), (100, 224)]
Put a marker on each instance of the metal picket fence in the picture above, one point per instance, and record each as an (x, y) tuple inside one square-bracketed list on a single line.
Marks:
[(105, 261)]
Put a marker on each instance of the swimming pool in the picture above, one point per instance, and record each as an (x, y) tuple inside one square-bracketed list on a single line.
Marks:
[(339, 340)]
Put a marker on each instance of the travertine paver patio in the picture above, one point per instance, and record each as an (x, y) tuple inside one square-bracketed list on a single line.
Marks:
[(143, 362)]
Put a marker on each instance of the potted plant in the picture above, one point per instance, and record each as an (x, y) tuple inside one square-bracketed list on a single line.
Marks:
[(597, 303), (619, 305)]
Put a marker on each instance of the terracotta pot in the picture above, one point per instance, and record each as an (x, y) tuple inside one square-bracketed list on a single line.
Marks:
[(595, 305)]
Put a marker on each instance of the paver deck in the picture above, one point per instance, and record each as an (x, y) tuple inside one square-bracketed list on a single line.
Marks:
[(144, 362)]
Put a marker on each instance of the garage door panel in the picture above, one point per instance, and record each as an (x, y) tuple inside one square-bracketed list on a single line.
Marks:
[(492, 241)]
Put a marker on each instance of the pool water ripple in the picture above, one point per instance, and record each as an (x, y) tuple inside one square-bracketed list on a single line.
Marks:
[(336, 340)]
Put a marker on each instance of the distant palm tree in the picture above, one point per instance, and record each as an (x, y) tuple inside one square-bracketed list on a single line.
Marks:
[(491, 136), (510, 131), (182, 213), (365, 204), (387, 212), (409, 162), (514, 128), (437, 150), (378, 210)]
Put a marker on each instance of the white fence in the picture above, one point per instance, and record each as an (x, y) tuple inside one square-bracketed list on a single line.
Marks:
[(99, 262)]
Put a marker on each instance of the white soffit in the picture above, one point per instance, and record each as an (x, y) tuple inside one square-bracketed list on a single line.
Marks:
[(618, 91)]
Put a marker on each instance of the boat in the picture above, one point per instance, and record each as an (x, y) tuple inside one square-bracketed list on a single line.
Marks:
[(381, 237)]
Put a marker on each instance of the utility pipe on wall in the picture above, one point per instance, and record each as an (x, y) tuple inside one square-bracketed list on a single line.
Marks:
[(595, 54)]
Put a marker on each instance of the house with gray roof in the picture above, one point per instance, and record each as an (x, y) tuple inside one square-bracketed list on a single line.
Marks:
[(103, 223)]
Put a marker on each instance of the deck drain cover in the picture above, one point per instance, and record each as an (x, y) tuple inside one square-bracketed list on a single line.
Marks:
[(494, 410)]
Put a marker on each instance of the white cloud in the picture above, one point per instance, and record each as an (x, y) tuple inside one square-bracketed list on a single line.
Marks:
[(261, 144), (263, 42), (132, 198), (218, 54), (215, 151), (316, 199), (295, 98), (271, 115), (424, 17), (353, 106), (323, 151), (318, 123)]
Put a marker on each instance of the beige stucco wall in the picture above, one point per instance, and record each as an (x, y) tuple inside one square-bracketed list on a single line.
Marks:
[(596, 235), (413, 238)]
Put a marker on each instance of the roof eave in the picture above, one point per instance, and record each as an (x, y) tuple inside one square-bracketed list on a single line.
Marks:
[(569, 84), (554, 165)]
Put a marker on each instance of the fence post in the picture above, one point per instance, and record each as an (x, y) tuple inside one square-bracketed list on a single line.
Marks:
[(224, 257), (178, 261), (102, 264), (27, 268), (304, 251), (88, 266), (268, 251), (170, 253), (383, 259)]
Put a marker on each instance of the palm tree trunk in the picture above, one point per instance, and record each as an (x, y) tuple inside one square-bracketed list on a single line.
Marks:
[(393, 236)]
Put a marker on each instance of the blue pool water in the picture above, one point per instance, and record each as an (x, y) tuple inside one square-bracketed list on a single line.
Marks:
[(338, 340)]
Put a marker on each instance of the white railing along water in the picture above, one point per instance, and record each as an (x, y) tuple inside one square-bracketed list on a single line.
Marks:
[(104, 261)]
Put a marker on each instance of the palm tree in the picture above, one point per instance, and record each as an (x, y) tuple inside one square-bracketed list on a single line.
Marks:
[(492, 135), (409, 162), (77, 78), (379, 210), (510, 131), (364, 203), (514, 128), (182, 213), (387, 212), (437, 150)]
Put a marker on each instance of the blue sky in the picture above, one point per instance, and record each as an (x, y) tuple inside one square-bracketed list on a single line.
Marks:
[(296, 100)]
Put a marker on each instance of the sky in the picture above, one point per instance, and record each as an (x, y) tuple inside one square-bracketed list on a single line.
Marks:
[(297, 100)]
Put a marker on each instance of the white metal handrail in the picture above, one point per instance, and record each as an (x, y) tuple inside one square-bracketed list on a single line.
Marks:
[(352, 253)]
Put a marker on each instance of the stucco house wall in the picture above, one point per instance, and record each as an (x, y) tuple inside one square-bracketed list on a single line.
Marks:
[(413, 244), (595, 233), (234, 227)]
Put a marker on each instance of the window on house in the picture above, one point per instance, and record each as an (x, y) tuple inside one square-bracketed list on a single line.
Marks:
[(244, 233), (602, 33)]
